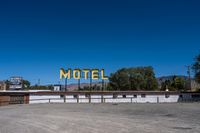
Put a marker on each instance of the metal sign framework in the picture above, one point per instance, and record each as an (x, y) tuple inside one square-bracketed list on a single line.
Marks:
[(90, 82)]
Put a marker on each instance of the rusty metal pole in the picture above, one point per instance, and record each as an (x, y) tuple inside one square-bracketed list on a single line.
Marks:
[(66, 84), (90, 80)]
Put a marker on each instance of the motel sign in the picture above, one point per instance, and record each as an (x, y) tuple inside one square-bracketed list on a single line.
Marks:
[(94, 74)]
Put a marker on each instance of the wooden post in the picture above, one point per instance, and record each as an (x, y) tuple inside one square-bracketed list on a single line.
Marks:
[(64, 98), (89, 98), (77, 98), (102, 98)]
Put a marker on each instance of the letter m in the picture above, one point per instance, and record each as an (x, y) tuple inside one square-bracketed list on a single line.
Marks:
[(65, 74)]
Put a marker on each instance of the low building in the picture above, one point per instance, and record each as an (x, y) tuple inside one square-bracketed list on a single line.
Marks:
[(14, 97), (25, 97), (57, 87), (112, 97)]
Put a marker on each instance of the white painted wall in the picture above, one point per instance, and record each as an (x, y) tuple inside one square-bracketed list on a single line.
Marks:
[(44, 98), (106, 99), (95, 98), (83, 99), (70, 99), (57, 88)]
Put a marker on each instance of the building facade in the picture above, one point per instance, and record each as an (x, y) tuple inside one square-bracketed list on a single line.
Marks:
[(29, 97)]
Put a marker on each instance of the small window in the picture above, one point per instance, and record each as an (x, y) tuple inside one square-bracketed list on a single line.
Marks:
[(114, 95), (124, 96), (134, 96), (167, 95), (143, 95), (75, 96)]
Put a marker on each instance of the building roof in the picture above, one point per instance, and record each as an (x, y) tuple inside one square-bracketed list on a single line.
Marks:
[(96, 92)]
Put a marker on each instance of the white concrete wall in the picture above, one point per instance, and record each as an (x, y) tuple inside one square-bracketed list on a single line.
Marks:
[(83, 99), (70, 99), (119, 99), (170, 99), (106, 99), (147, 99), (95, 98), (44, 98)]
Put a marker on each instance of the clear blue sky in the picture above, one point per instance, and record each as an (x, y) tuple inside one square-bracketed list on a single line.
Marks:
[(39, 37)]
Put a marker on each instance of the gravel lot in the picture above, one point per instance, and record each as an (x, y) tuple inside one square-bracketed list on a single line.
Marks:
[(101, 118)]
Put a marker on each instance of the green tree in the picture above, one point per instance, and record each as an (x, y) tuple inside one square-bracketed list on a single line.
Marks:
[(176, 83), (40, 87), (143, 78), (136, 81), (180, 84), (167, 85), (26, 84), (164, 86), (119, 80), (151, 81), (139, 78), (196, 68), (85, 88), (7, 84)]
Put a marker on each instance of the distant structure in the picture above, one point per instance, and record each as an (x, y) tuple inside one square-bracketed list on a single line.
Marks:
[(2, 85), (57, 87), (16, 83)]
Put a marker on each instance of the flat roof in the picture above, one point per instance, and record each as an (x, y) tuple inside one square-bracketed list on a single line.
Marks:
[(47, 92)]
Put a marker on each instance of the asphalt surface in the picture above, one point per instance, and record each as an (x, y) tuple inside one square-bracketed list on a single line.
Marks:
[(101, 118)]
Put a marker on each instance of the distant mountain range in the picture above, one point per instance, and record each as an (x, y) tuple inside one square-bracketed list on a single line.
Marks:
[(74, 86)]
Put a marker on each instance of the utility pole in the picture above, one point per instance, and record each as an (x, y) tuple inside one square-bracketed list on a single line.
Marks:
[(79, 84), (189, 76), (65, 84), (102, 85)]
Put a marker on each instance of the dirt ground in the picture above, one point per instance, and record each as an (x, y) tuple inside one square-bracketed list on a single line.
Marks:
[(101, 118)]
